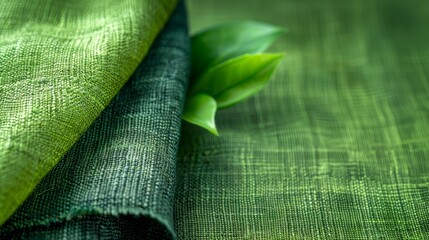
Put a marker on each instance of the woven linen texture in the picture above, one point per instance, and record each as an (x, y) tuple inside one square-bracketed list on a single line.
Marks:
[(336, 147), (61, 63), (118, 181)]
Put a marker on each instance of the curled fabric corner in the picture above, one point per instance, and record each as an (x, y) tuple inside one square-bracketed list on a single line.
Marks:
[(62, 62), (118, 180)]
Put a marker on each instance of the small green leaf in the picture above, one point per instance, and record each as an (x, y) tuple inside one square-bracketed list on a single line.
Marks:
[(200, 110), (226, 41), (236, 79), (227, 67)]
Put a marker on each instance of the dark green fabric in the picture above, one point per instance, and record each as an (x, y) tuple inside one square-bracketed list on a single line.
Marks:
[(118, 181), (61, 63), (336, 147)]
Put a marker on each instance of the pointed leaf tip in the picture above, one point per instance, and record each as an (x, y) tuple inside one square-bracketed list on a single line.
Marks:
[(200, 110), (230, 40), (234, 80)]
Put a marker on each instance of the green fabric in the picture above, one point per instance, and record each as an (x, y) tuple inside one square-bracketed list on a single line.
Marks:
[(336, 147), (61, 63), (118, 181)]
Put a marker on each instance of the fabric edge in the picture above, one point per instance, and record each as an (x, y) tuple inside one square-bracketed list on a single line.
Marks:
[(82, 213)]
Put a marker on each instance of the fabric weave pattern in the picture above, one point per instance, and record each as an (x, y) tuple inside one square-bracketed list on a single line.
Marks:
[(118, 181), (61, 64), (336, 147)]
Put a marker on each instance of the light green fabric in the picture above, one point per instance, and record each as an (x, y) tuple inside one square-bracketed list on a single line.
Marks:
[(61, 63), (117, 181), (336, 147)]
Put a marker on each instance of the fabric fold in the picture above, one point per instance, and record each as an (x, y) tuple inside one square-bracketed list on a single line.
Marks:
[(118, 180), (61, 64)]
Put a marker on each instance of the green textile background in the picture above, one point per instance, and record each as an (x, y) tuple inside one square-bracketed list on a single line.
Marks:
[(118, 181), (336, 147), (61, 63)]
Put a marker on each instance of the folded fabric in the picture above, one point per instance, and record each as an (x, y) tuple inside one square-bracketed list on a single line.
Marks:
[(61, 63), (336, 147), (118, 181)]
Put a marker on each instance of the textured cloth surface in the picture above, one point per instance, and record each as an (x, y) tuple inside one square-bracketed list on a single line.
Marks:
[(61, 63), (118, 180), (336, 147)]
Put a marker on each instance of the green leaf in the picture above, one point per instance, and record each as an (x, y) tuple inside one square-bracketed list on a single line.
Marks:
[(237, 79), (200, 110), (226, 41)]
